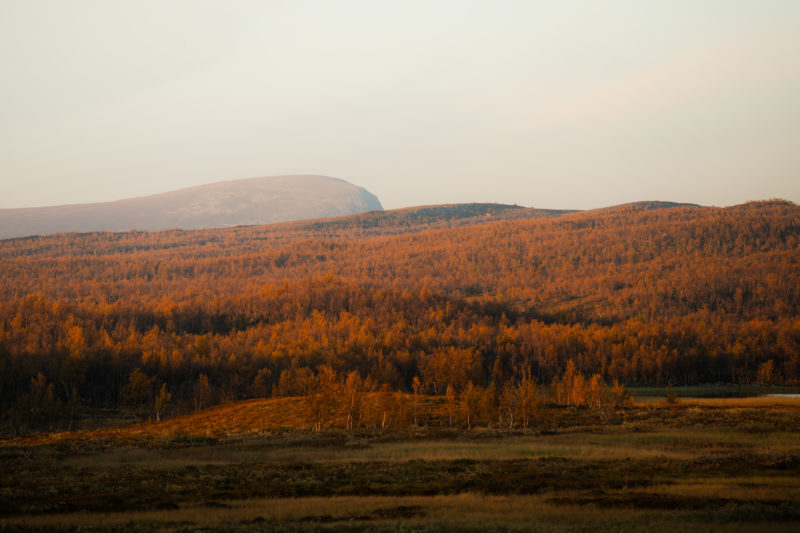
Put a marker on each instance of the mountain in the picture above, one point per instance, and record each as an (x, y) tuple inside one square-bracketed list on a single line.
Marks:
[(223, 204)]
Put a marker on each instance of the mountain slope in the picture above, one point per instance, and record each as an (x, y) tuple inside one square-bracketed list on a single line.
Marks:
[(644, 296), (223, 204)]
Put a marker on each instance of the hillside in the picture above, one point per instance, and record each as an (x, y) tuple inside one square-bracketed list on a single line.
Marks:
[(357, 226), (415, 219), (224, 204), (679, 294)]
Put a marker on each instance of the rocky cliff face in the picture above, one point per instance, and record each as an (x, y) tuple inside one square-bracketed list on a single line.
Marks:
[(228, 203)]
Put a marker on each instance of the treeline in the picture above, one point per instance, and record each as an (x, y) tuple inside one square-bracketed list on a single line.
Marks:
[(348, 401), (636, 295), (351, 402)]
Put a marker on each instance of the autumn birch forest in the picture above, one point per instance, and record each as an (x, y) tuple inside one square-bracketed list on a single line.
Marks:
[(493, 309)]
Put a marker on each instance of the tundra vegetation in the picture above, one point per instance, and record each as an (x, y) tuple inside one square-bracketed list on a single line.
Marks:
[(718, 464)]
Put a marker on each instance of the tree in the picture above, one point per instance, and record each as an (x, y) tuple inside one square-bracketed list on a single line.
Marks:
[(416, 386), (498, 375), (321, 396), (577, 390), (620, 397), (401, 411), (38, 406), (450, 395), (354, 399), (72, 372), (766, 373), (203, 393), (450, 366), (672, 396), (490, 405), (570, 388), (139, 390), (527, 398), (597, 394), (162, 402), (74, 405), (471, 402), (559, 391), (385, 405), (508, 403), (260, 386)]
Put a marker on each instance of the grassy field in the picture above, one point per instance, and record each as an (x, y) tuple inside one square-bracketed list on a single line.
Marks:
[(713, 391), (700, 465)]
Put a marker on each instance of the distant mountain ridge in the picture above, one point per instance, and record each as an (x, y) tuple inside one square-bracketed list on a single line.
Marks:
[(247, 201), (420, 218)]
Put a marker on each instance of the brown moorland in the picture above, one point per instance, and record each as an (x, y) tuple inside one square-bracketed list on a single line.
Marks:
[(648, 467)]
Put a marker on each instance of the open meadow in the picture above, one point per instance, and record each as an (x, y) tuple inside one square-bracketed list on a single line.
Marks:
[(698, 465)]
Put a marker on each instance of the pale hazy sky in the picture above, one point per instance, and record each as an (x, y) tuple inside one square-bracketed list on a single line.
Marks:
[(573, 104)]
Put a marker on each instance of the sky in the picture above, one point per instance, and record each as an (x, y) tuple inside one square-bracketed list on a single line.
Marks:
[(551, 104)]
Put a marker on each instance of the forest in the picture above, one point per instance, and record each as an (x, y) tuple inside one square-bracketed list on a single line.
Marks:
[(438, 300)]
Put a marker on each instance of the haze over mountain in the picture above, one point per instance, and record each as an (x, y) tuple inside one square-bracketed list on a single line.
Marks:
[(223, 204)]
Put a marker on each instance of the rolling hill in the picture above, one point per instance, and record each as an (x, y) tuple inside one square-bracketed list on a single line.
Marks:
[(645, 293), (223, 204)]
